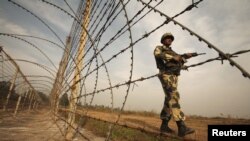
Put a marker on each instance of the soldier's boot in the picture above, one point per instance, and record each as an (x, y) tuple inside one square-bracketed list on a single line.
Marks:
[(183, 129), (165, 128)]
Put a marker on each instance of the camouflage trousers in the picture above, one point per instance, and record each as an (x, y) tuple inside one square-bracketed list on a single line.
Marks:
[(171, 107)]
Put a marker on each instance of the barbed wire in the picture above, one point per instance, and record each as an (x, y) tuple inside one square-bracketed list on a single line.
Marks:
[(104, 64), (30, 36), (17, 76), (31, 44), (220, 58), (22, 76), (39, 20), (124, 125), (85, 53), (155, 75), (232, 63), (46, 81), (71, 9), (43, 39), (94, 50), (102, 16), (131, 64), (131, 70), (126, 95), (123, 50), (95, 56)]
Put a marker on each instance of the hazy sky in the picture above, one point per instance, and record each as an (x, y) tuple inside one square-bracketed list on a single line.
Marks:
[(208, 90)]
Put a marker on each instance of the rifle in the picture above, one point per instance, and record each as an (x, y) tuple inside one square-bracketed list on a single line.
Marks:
[(194, 54)]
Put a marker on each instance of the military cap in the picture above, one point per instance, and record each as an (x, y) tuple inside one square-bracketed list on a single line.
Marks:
[(164, 36)]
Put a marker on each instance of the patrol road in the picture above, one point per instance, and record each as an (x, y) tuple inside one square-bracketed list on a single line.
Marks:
[(151, 123), (35, 126), (38, 125)]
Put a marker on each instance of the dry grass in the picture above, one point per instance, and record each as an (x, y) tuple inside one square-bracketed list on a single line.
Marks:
[(152, 122)]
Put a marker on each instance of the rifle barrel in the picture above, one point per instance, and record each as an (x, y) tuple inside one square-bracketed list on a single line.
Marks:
[(201, 53)]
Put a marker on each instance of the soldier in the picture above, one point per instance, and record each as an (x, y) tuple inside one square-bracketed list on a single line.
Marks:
[(170, 64)]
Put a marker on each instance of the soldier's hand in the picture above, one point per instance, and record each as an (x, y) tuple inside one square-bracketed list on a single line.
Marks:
[(184, 67)]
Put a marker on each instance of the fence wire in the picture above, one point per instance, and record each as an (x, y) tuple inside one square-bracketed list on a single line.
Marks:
[(107, 24)]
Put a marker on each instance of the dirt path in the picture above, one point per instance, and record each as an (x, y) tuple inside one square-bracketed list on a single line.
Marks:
[(34, 126), (38, 125), (200, 124)]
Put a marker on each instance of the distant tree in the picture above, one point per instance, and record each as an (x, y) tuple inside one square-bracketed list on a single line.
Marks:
[(44, 97), (64, 101), (4, 89), (79, 103)]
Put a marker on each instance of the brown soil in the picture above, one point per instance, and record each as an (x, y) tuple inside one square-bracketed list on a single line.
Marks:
[(34, 126), (152, 124), (38, 125)]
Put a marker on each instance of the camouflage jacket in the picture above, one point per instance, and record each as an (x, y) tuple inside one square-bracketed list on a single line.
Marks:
[(165, 62)]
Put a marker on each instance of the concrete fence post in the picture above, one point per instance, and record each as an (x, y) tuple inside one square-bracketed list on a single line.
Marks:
[(10, 90), (17, 105)]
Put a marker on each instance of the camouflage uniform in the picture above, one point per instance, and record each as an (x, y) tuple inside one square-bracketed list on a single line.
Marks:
[(169, 72)]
